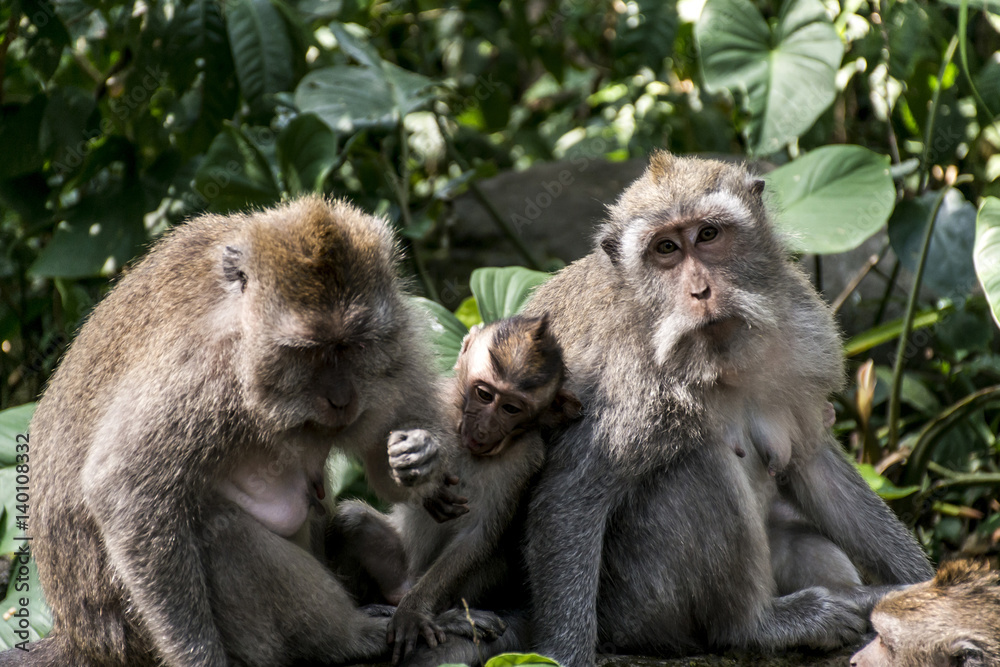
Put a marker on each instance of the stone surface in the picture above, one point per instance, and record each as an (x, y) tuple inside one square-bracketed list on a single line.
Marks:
[(555, 207), (792, 659)]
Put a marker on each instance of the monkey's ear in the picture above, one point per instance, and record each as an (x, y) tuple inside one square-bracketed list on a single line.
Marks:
[(965, 652), (565, 408), (612, 247), (541, 327), (467, 340), (757, 187), (232, 266)]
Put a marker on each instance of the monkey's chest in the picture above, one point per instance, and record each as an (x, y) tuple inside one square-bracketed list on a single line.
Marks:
[(277, 491)]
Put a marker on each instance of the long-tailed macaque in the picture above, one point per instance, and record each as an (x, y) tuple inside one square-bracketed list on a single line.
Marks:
[(951, 621), (692, 338), (506, 392), (181, 441)]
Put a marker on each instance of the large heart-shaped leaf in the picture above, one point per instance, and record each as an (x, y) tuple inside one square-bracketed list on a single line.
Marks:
[(262, 51), (446, 333), (948, 271), (502, 292), (833, 198), (987, 252), (786, 72)]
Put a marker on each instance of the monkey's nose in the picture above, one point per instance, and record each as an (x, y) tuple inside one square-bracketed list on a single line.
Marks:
[(703, 294)]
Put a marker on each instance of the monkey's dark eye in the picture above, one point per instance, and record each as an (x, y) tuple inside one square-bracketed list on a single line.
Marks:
[(484, 396), (665, 246), (510, 408), (708, 233)]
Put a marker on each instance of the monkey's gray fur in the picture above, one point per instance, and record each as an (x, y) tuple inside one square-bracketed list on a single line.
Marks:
[(646, 532)]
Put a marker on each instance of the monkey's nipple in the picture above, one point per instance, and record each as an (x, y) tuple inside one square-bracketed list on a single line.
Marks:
[(320, 491)]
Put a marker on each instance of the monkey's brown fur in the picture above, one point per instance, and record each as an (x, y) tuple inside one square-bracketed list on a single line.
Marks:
[(194, 410), (953, 619)]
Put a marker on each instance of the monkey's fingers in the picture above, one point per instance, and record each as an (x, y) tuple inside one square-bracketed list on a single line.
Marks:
[(432, 635)]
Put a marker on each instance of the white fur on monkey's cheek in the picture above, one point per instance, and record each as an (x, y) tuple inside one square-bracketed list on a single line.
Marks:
[(633, 245), (669, 332)]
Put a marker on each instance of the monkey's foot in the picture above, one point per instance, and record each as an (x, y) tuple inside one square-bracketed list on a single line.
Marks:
[(413, 456), (484, 625)]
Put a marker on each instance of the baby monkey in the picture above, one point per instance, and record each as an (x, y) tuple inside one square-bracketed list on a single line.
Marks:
[(507, 391)]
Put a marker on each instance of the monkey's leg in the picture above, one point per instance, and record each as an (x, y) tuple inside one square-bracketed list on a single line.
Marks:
[(46, 652), (275, 603), (469, 651), (565, 535), (360, 541), (869, 533)]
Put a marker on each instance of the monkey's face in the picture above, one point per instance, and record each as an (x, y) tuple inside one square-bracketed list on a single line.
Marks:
[(692, 241), (506, 380), (318, 304), (917, 646)]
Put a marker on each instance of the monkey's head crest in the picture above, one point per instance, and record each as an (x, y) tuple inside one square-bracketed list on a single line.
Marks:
[(677, 188)]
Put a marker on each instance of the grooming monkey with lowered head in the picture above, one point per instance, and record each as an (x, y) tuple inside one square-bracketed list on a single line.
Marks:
[(507, 392), (180, 443), (705, 359)]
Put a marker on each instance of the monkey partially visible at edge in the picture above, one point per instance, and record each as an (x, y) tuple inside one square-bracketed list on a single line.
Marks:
[(180, 444)]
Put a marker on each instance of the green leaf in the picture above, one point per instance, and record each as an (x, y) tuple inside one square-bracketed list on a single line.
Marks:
[(948, 271), (446, 333), (833, 198), (13, 422), (262, 51), (99, 236), (986, 254), (512, 659), (307, 152), (502, 292), (234, 174), (354, 98), (468, 312), (19, 129), (786, 71), (38, 614), (882, 486), (359, 49), (888, 331)]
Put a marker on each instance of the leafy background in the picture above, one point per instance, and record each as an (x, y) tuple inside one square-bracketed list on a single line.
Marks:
[(119, 119)]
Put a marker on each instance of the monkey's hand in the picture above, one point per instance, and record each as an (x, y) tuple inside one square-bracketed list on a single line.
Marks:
[(414, 456), (837, 620), (445, 504), (407, 625)]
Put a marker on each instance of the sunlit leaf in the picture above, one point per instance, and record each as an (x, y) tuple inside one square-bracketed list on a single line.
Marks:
[(501, 292), (13, 423), (262, 51), (786, 70), (832, 199), (987, 253), (882, 486), (446, 333)]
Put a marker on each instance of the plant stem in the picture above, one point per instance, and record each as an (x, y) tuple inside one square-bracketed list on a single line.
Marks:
[(904, 335), (400, 185), (925, 167), (505, 229), (889, 287)]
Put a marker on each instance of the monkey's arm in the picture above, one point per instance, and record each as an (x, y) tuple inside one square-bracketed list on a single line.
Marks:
[(142, 504), (565, 533), (871, 535)]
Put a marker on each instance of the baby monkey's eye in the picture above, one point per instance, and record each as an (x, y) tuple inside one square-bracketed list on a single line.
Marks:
[(484, 396), (665, 246), (708, 233), (511, 409)]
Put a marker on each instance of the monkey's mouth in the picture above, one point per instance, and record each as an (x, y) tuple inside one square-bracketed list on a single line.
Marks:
[(722, 328), (482, 448)]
